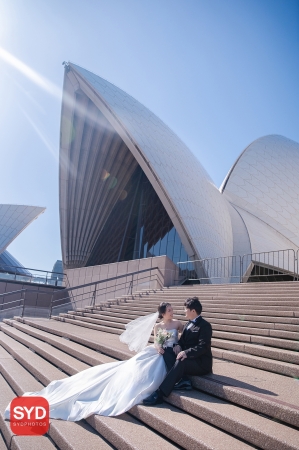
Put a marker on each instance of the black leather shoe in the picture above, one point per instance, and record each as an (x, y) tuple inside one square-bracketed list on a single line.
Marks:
[(183, 384), (154, 399)]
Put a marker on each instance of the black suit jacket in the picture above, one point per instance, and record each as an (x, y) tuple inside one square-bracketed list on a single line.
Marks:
[(196, 342)]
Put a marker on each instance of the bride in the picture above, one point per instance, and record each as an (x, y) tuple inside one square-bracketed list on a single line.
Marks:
[(113, 388)]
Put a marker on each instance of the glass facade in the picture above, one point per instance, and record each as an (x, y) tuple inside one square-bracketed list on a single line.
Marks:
[(57, 271), (9, 264), (137, 227)]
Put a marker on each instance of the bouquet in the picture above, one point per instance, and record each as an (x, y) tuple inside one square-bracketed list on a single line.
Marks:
[(162, 336)]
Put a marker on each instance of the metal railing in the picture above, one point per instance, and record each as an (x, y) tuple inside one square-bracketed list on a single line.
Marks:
[(33, 303), (14, 273), (263, 266), (278, 265), (29, 302), (224, 269), (100, 291)]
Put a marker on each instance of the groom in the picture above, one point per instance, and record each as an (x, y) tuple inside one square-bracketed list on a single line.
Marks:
[(191, 356)]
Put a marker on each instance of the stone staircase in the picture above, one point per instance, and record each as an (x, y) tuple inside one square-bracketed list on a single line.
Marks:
[(250, 401)]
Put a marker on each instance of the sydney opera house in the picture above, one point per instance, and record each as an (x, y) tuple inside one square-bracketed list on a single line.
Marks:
[(131, 189), (13, 220)]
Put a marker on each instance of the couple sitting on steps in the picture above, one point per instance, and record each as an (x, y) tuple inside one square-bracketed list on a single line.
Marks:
[(113, 388), (191, 355)]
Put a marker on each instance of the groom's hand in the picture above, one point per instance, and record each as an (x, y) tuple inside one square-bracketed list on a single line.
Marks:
[(181, 356)]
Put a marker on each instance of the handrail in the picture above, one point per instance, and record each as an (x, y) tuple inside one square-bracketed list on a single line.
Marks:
[(206, 259), (96, 291), (28, 268), (233, 267), (4, 307), (14, 307), (108, 279), (13, 301), (29, 275), (271, 261), (28, 290), (69, 294), (20, 300)]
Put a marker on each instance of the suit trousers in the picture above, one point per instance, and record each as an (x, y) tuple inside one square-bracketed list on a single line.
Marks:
[(169, 358), (178, 371)]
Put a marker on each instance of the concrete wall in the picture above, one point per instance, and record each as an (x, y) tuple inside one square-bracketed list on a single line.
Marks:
[(158, 272)]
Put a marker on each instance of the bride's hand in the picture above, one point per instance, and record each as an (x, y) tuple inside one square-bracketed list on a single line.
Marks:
[(159, 349)]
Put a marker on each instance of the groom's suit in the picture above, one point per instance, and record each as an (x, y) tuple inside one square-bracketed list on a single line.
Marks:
[(195, 341)]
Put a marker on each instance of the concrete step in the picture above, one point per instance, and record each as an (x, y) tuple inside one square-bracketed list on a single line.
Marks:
[(65, 362), (257, 350), (187, 431), (30, 360), (232, 336), (251, 427), (12, 441), (2, 443), (94, 358), (208, 316), (260, 362), (239, 384), (261, 340), (248, 329), (214, 290), (83, 336), (66, 435), (81, 352), (74, 432), (275, 311), (284, 298), (125, 432), (230, 288), (237, 320), (87, 324), (91, 319), (213, 300), (223, 312), (270, 365), (192, 430)]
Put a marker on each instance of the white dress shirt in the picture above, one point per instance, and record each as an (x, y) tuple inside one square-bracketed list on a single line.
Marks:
[(192, 322)]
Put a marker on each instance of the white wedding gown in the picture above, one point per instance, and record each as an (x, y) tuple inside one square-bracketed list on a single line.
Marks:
[(107, 389)]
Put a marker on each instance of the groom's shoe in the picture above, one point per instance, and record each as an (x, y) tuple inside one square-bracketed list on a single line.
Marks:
[(183, 384), (154, 399)]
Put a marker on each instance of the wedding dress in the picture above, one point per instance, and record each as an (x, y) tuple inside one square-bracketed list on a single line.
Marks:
[(108, 389)]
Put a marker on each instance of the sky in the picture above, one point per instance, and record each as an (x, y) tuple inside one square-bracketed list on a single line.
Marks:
[(220, 73)]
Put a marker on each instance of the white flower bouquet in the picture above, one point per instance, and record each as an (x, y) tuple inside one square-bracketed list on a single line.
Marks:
[(162, 336)]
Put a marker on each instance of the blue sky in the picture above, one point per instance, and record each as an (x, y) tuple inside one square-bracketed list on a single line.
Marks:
[(220, 73)]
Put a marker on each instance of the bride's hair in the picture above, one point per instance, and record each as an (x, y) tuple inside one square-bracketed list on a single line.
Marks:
[(162, 309)]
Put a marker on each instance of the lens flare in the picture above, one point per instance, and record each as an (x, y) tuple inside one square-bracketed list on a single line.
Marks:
[(42, 136), (123, 195), (34, 76), (67, 138), (105, 175), (113, 182)]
